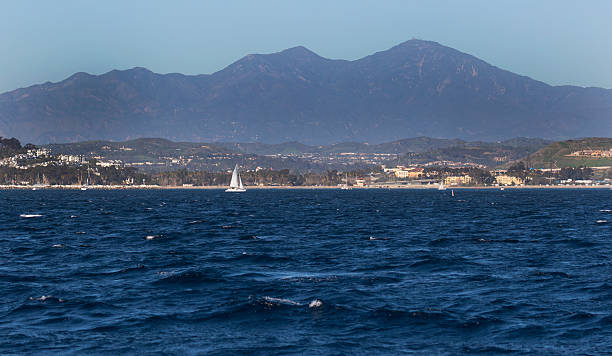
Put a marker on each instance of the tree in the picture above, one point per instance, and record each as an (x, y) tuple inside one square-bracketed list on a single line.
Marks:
[(518, 170)]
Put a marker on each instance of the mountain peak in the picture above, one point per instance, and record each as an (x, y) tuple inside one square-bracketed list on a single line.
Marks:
[(418, 45), (277, 62), (142, 70), (419, 42), (133, 70), (79, 76), (299, 51)]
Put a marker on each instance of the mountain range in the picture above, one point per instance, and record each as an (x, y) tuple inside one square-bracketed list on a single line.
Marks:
[(417, 88)]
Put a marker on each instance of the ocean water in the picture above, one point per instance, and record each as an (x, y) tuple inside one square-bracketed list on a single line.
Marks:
[(306, 272)]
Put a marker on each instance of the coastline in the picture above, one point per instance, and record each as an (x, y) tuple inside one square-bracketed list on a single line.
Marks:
[(269, 187)]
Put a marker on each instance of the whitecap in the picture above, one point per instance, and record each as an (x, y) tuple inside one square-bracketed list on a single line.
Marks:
[(153, 237), (316, 303), (30, 215), (601, 221), (280, 301), (45, 297), (42, 298), (605, 210), (378, 238), (58, 246)]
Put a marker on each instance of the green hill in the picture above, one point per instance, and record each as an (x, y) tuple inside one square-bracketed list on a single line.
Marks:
[(490, 154), (557, 154)]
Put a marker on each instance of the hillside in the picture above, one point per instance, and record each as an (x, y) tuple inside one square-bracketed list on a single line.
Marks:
[(145, 149), (558, 154), (490, 154), (415, 144), (164, 154), (417, 88)]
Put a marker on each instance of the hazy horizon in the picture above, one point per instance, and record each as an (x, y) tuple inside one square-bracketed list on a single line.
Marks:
[(557, 42)]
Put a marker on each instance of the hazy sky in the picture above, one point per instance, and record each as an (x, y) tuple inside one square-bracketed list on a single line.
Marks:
[(556, 41)]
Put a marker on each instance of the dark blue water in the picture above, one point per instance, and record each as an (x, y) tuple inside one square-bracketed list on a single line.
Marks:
[(518, 271)]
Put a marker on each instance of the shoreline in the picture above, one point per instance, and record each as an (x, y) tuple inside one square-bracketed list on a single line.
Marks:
[(284, 187)]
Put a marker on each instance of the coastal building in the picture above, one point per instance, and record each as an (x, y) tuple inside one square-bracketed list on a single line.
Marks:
[(508, 180), (70, 159), (584, 181), (361, 182), (458, 180), (411, 173), (392, 169), (592, 153), (110, 163)]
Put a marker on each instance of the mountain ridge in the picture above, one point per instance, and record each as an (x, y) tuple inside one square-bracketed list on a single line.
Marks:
[(417, 88)]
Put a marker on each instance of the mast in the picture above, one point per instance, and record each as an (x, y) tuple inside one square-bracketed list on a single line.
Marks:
[(87, 173)]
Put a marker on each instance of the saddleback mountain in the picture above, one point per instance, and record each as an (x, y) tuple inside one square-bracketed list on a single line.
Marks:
[(417, 88)]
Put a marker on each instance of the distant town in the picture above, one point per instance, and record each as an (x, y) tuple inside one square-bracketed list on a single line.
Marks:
[(33, 166)]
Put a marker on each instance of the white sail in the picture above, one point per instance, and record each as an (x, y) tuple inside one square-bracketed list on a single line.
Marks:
[(86, 185), (236, 181)]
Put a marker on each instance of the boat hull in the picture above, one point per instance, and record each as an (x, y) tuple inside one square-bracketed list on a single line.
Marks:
[(235, 190)]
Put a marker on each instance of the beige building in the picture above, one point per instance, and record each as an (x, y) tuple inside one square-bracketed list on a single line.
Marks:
[(508, 180), (458, 180), (414, 173)]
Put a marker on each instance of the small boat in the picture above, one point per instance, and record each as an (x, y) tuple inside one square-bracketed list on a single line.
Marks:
[(346, 186), (236, 183), (37, 185), (87, 184), (452, 193)]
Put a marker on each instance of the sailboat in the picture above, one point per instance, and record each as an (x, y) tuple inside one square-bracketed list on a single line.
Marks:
[(236, 183), (441, 187), (87, 184), (37, 185), (346, 186)]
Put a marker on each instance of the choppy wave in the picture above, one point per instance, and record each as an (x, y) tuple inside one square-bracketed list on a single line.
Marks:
[(306, 272), (190, 277)]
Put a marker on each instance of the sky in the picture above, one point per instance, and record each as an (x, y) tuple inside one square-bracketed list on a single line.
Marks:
[(559, 42)]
